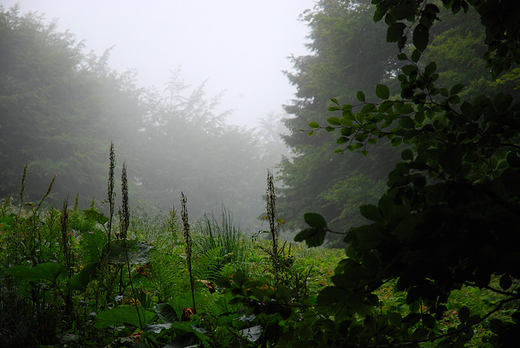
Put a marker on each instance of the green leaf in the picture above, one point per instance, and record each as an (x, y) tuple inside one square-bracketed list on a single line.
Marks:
[(464, 314), (416, 55), (385, 106), (372, 213), (335, 121), (505, 282), (284, 294), (430, 69), (409, 69), (313, 237), (404, 109), (513, 160), (347, 108), (428, 321), (457, 88), (454, 99), (368, 109), (407, 122), (92, 243), (166, 313), (411, 319), (96, 216), (420, 37), (330, 295), (334, 108), (46, 271), (342, 140), (124, 315), (239, 278), (419, 118), (405, 10), (394, 318), (396, 142), (407, 155), (157, 328), (314, 124), (315, 220), (382, 91), (395, 32), (83, 278), (360, 96), (419, 334)]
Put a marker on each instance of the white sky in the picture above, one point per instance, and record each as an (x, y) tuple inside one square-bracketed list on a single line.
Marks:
[(238, 46)]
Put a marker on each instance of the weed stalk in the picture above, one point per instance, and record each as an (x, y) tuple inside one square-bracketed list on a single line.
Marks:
[(187, 238), (271, 211), (22, 190), (125, 218), (111, 194), (67, 256), (46, 194), (125, 214), (281, 260)]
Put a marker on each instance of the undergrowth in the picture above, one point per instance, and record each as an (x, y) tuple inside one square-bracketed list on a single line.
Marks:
[(78, 278)]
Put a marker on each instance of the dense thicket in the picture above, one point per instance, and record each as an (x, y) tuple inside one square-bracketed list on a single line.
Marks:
[(349, 53), (60, 108), (448, 219)]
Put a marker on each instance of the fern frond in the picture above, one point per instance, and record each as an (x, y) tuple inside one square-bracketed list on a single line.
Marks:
[(169, 271), (207, 266)]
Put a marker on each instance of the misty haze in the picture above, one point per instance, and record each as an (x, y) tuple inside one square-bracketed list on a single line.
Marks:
[(279, 173), (190, 95)]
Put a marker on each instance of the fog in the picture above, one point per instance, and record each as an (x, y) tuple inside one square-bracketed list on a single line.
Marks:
[(236, 46), (153, 99)]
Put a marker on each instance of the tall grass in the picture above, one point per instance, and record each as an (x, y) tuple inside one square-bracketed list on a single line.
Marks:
[(224, 235)]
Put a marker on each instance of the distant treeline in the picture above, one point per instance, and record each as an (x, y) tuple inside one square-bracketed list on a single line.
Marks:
[(60, 108)]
